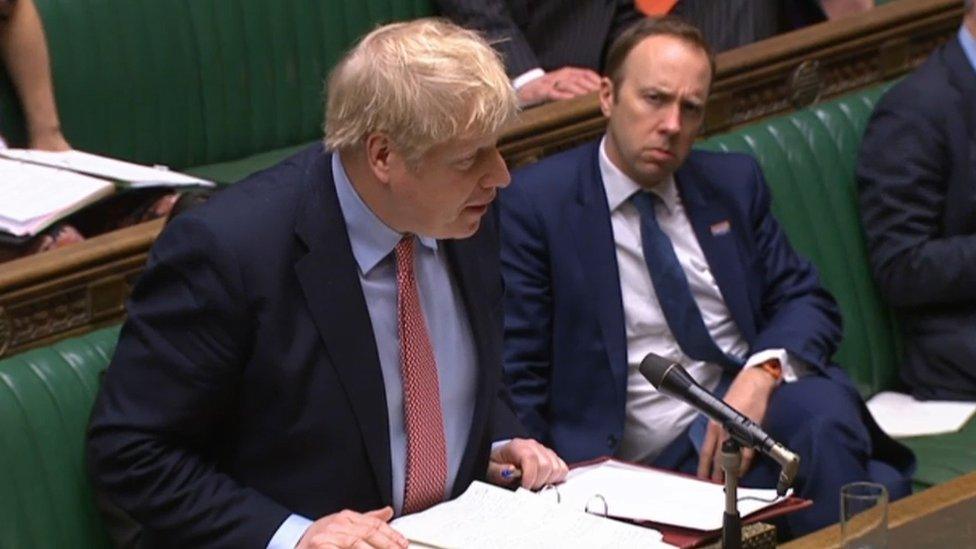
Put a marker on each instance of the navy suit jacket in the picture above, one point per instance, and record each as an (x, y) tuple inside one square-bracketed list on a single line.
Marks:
[(917, 177), (246, 384), (564, 321)]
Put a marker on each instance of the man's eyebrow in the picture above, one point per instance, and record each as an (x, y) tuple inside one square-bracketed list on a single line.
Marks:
[(655, 89), (466, 155)]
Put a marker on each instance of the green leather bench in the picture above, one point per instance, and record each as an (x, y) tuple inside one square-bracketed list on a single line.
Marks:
[(219, 88), (46, 397), (808, 158)]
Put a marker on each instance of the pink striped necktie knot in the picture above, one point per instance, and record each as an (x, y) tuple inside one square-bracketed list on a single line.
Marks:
[(426, 472)]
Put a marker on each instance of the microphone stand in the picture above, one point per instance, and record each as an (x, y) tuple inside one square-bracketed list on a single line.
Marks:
[(731, 460)]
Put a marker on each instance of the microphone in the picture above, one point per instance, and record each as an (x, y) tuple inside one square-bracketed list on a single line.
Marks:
[(673, 380)]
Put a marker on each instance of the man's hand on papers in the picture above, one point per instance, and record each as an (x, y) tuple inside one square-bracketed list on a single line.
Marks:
[(351, 529), (749, 394), (539, 465)]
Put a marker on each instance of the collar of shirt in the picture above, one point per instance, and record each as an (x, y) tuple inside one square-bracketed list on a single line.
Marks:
[(370, 238), (620, 187), (968, 42)]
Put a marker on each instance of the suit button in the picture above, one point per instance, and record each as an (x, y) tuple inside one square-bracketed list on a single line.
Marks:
[(611, 441)]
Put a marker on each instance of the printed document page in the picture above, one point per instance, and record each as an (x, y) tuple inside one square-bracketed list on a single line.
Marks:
[(639, 493), (32, 196), (900, 415), (487, 516), (135, 175)]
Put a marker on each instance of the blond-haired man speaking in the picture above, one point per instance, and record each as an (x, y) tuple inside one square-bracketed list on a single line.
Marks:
[(319, 347)]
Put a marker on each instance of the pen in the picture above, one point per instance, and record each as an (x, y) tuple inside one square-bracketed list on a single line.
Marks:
[(511, 473)]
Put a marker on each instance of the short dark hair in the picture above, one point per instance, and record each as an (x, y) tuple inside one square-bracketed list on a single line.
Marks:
[(669, 25)]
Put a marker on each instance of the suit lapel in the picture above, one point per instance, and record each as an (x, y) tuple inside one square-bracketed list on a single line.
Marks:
[(329, 279), (717, 232), (963, 77), (592, 231), (469, 263)]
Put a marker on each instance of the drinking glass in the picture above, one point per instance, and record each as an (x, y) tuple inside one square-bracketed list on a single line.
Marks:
[(864, 515)]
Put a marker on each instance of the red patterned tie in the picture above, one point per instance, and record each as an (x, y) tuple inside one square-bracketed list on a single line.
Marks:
[(426, 475)]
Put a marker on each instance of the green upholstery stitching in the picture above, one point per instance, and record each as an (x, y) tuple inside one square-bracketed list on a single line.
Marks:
[(46, 397), (808, 158)]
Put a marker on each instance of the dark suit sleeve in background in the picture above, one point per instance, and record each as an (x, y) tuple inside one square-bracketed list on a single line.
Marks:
[(903, 173), (494, 19), (168, 390), (528, 310)]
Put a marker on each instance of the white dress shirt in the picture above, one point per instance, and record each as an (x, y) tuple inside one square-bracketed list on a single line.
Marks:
[(654, 420)]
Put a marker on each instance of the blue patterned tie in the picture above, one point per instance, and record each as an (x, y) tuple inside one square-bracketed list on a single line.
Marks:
[(673, 293)]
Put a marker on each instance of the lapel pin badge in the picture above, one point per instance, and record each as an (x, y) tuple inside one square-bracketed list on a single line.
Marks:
[(720, 228)]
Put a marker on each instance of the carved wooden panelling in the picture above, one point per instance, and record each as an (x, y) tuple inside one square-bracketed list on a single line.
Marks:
[(48, 316)]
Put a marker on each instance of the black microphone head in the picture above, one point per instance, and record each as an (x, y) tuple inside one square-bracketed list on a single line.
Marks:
[(655, 367)]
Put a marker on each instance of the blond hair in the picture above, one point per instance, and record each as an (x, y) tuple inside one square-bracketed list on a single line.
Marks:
[(421, 83)]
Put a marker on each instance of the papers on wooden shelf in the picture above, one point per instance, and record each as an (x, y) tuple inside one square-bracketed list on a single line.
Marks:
[(487, 516), (32, 197), (900, 415), (127, 173), (639, 493)]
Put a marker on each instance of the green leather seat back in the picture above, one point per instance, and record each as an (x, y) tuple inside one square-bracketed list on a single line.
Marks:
[(808, 158), (46, 397), (192, 82)]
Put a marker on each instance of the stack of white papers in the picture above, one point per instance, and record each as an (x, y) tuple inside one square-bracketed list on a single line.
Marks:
[(131, 175), (488, 517), (631, 492), (32, 197), (900, 415)]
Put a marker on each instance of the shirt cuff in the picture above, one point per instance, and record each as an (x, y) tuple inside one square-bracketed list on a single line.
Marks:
[(527, 77), (793, 367), (289, 533)]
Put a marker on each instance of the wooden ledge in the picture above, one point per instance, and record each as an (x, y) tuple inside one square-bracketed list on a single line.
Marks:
[(942, 516), (29, 270)]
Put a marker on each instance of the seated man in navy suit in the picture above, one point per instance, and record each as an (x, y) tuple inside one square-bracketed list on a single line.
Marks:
[(917, 177), (635, 244), (320, 346)]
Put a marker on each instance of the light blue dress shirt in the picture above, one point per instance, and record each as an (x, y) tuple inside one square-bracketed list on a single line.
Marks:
[(968, 42), (447, 324)]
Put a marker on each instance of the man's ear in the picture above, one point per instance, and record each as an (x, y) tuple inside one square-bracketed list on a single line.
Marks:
[(379, 153), (606, 95)]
